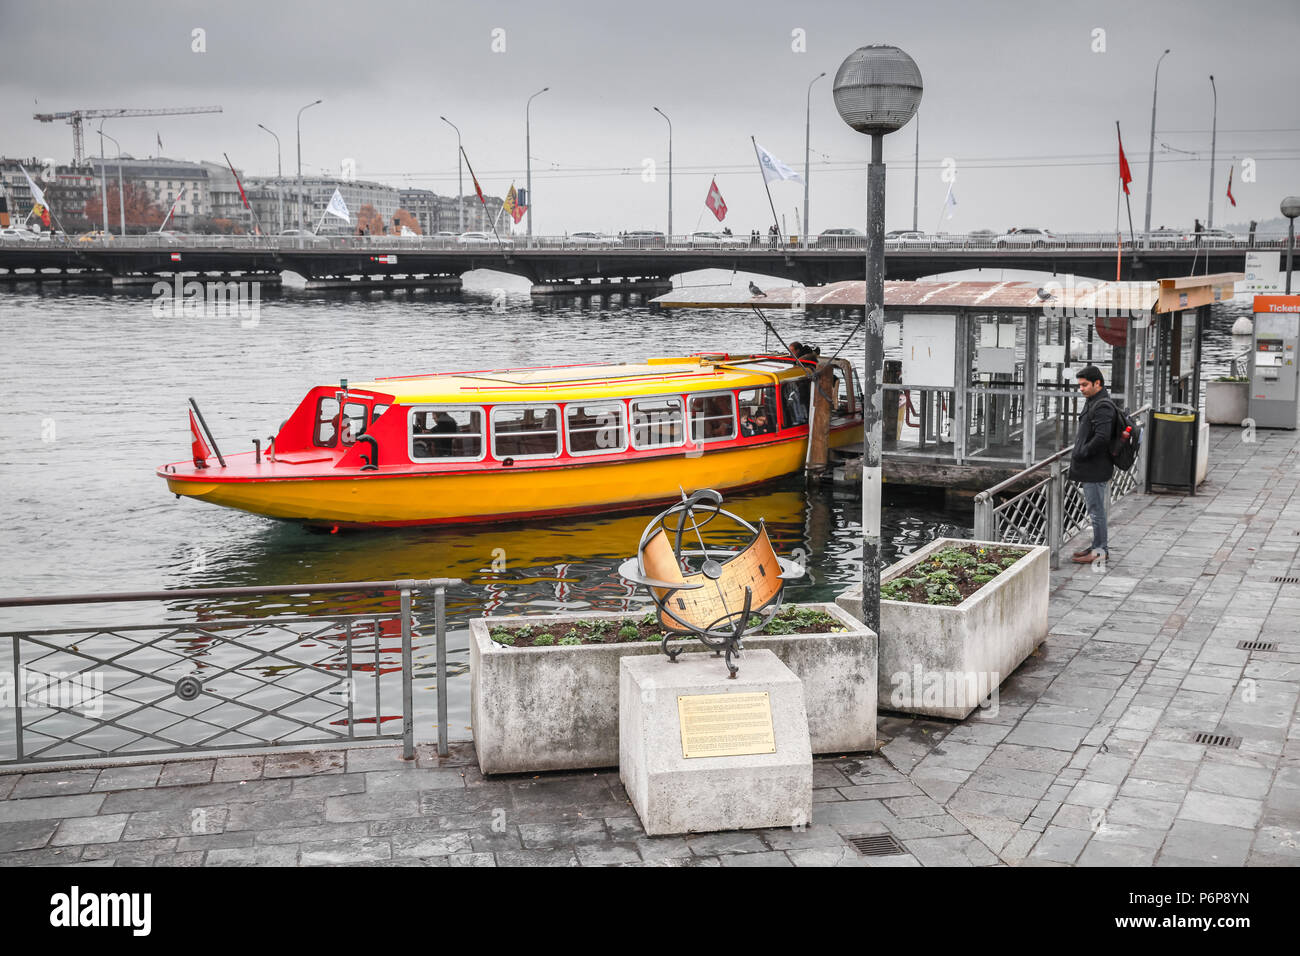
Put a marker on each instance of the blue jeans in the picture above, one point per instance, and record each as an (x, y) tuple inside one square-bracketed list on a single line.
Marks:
[(1096, 495)]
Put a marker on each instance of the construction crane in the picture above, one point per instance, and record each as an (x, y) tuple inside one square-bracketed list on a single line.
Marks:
[(75, 118)]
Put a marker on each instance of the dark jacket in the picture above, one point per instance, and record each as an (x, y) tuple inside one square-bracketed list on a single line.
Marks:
[(1091, 460)]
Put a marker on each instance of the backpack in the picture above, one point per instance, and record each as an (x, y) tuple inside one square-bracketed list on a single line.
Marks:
[(1127, 440)]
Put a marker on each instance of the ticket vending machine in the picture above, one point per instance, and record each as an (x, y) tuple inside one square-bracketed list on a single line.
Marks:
[(1274, 382)]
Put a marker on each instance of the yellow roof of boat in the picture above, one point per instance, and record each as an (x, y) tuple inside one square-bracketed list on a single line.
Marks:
[(657, 376)]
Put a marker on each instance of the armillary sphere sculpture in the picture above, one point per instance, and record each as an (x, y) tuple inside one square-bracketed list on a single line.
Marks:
[(721, 592)]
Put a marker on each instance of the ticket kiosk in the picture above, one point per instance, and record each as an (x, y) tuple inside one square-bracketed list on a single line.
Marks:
[(1274, 383)]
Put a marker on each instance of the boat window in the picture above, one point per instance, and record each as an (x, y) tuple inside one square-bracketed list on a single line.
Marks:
[(596, 429), (354, 422), (327, 429), (657, 422), (713, 417), (794, 402), (446, 434), (757, 410), (378, 410), (526, 431)]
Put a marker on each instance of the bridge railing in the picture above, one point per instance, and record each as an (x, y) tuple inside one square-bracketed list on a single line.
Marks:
[(1072, 242)]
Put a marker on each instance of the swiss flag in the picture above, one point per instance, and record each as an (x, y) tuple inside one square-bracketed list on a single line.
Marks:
[(715, 203), (199, 447)]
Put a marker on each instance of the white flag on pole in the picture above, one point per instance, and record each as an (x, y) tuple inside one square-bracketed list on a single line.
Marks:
[(773, 168), (37, 195), (338, 207), (949, 204)]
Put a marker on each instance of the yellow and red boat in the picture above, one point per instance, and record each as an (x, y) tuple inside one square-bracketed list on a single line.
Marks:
[(509, 444)]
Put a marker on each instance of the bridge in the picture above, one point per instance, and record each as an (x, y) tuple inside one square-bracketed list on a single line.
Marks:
[(559, 265)]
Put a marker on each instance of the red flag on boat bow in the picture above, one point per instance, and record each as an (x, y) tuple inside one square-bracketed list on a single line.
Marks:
[(199, 447)]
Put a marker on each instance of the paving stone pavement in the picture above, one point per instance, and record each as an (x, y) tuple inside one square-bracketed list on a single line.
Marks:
[(1088, 759)]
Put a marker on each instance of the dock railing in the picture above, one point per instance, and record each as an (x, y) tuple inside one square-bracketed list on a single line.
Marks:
[(215, 683), (1041, 505)]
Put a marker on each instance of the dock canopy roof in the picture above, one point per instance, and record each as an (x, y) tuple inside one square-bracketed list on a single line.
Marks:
[(1078, 296)]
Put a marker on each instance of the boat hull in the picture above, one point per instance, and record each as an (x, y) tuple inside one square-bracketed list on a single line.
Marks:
[(505, 494)]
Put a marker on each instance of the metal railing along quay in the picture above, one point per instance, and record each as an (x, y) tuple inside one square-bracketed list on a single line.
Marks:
[(216, 683), (1051, 509)]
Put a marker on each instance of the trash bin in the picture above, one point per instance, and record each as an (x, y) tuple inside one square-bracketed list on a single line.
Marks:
[(1172, 452)]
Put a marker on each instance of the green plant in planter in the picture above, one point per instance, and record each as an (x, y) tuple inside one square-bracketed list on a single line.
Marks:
[(525, 631), (502, 636), (1010, 560), (628, 632), (570, 641), (543, 640), (598, 628)]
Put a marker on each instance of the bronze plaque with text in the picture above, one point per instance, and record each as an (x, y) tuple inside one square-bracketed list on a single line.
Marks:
[(726, 725)]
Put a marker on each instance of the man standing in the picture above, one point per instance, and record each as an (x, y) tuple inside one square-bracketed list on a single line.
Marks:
[(1091, 464)]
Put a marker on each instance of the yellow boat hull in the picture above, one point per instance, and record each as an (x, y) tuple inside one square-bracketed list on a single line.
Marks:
[(504, 494)]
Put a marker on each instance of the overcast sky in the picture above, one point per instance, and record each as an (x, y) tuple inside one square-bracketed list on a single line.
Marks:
[(1015, 95)]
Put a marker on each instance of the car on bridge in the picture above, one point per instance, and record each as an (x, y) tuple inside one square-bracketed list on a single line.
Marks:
[(589, 240), (1036, 238), (96, 235), (840, 239), (716, 240), (645, 239), (13, 234), (910, 237), (482, 239)]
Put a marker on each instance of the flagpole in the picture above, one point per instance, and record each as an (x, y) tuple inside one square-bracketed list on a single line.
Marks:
[(483, 202), (247, 205), (775, 221), (1128, 202)]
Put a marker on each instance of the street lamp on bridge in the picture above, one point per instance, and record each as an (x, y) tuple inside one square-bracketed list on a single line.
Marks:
[(877, 91), (1151, 154), (669, 239), (279, 183), (807, 147), (121, 199), (528, 151), (460, 181), (299, 125)]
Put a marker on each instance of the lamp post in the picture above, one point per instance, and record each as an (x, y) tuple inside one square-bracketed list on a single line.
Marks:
[(1214, 128), (668, 241), (1290, 209), (103, 180), (460, 181), (528, 157), (121, 197), (298, 123), (807, 153), (279, 183), (877, 90), (1151, 154)]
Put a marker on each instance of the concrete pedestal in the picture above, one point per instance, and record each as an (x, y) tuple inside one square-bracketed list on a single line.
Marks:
[(673, 793)]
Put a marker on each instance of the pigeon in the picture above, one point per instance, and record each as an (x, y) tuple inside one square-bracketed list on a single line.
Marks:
[(755, 290), (1045, 295)]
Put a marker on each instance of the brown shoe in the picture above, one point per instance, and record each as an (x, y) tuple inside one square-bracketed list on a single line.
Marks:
[(1087, 557), (1080, 554)]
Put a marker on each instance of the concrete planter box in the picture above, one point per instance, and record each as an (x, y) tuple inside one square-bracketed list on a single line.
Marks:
[(556, 708), (1226, 402), (941, 661)]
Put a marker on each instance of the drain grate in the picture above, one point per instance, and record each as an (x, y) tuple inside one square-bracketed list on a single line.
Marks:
[(1217, 740), (878, 844), (1256, 646), (1286, 579)]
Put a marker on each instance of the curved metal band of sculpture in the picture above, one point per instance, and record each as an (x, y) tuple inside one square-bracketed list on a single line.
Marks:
[(723, 595)]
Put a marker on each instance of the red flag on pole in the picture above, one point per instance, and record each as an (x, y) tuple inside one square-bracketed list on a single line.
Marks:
[(199, 447), (1230, 197), (1125, 174), (714, 201)]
